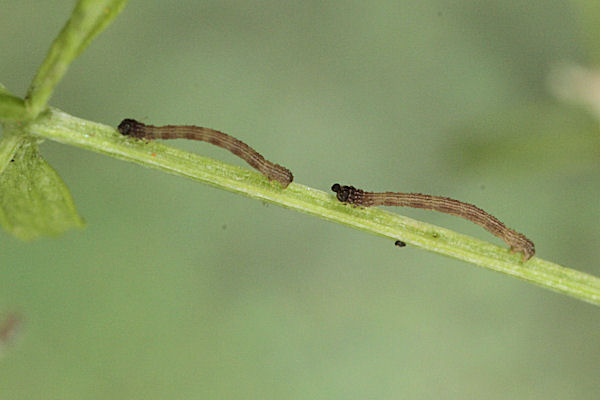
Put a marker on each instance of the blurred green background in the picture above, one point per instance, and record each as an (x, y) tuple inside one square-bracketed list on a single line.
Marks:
[(178, 290)]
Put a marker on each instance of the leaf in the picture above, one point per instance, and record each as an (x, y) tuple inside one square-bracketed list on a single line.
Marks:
[(34, 200)]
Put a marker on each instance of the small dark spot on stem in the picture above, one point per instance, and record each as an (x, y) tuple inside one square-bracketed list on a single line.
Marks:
[(400, 243)]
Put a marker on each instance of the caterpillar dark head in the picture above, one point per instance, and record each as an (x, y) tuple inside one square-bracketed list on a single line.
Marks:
[(342, 192), (349, 194), (130, 127)]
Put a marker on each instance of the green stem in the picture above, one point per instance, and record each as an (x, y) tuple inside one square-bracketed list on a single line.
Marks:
[(12, 108), (88, 19), (63, 128)]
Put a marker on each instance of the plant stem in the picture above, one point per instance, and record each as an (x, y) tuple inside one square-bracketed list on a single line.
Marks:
[(61, 127), (88, 19), (12, 108)]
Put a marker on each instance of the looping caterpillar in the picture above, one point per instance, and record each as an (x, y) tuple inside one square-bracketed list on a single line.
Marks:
[(517, 241), (136, 129)]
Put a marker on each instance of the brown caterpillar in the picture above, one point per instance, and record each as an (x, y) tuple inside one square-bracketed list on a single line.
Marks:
[(131, 127), (517, 241)]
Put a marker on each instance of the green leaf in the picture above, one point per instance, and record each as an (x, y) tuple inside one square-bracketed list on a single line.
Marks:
[(9, 145), (34, 201), (88, 19)]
